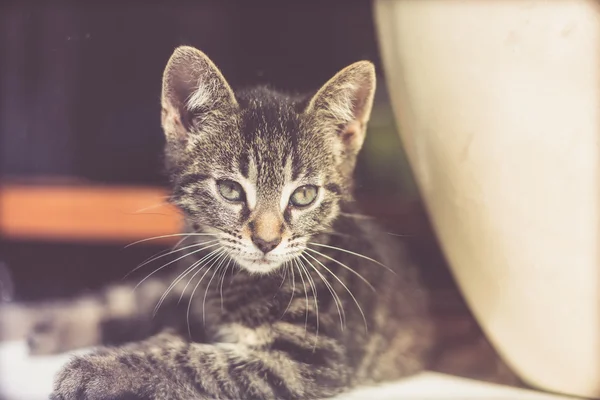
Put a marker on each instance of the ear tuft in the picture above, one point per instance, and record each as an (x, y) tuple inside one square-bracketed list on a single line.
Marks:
[(193, 91)]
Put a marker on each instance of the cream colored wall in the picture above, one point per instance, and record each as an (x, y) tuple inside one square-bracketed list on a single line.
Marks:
[(498, 106)]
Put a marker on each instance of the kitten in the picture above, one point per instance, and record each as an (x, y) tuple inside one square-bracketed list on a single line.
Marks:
[(284, 293)]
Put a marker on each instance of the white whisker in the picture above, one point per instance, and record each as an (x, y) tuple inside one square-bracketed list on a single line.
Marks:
[(192, 297), (353, 253), (315, 299), (208, 285), (283, 277), (305, 294), (291, 266), (168, 236), (177, 280), (399, 234), (167, 250), (345, 287), (344, 266), (152, 207), (336, 299), (357, 216), (171, 262), (158, 257), (206, 259), (223, 280)]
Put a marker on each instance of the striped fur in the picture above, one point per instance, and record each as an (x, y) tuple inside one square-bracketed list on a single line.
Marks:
[(335, 304)]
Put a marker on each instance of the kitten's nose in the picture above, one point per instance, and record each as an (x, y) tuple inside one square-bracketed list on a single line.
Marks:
[(265, 246), (266, 230)]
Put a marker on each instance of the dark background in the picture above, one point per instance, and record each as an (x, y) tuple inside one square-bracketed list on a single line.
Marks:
[(81, 83)]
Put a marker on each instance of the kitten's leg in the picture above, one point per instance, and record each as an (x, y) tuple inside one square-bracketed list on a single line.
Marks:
[(278, 361)]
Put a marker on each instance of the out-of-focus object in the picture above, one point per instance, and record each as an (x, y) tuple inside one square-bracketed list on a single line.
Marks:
[(86, 213), (498, 107), (7, 289)]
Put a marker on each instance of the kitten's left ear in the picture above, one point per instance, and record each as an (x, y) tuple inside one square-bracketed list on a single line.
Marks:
[(195, 95), (345, 102)]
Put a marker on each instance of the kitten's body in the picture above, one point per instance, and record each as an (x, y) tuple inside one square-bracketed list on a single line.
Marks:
[(263, 341), (328, 303)]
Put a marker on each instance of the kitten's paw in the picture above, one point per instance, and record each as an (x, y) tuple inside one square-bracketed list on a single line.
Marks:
[(61, 327), (99, 377)]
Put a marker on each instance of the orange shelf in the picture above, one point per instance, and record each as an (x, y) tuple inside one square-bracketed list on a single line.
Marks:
[(85, 213)]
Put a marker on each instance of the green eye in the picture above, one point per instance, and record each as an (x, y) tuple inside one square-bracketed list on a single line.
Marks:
[(231, 190), (304, 196)]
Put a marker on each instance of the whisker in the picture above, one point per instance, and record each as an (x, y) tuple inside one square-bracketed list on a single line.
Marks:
[(344, 266), (305, 294), (293, 288), (357, 216), (284, 268), (315, 299), (400, 235), (152, 207), (353, 253), (168, 236), (345, 287), (208, 258), (285, 265), (160, 252), (223, 280), (339, 234), (149, 259), (330, 232), (218, 251), (209, 282), (171, 262), (336, 299), (192, 297), (181, 241), (158, 257), (178, 279)]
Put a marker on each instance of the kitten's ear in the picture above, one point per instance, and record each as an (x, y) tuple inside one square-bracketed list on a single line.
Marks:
[(194, 93), (345, 102)]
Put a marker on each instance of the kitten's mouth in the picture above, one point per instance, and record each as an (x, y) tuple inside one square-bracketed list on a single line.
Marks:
[(261, 265), (264, 261)]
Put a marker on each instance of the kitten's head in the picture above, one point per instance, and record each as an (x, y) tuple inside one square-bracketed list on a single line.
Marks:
[(262, 171)]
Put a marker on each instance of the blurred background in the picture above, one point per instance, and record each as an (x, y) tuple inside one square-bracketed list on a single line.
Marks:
[(80, 137)]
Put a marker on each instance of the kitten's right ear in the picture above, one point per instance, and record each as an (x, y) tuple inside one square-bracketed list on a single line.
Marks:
[(194, 94)]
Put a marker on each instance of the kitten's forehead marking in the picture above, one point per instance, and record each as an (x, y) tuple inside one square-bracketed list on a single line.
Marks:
[(250, 184), (289, 184)]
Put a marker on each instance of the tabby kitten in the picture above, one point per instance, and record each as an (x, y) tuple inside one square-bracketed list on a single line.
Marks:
[(284, 292)]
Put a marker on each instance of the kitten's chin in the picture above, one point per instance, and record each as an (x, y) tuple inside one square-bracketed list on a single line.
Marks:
[(261, 267)]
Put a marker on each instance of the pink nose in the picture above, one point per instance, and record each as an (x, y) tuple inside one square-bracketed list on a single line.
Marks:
[(265, 246)]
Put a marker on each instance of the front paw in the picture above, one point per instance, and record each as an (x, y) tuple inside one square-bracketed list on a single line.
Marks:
[(100, 377)]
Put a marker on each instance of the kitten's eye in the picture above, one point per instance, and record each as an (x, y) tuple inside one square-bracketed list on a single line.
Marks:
[(304, 196), (231, 190)]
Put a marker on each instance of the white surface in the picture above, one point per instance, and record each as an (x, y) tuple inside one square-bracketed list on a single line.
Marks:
[(27, 378), (498, 105), (30, 378)]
